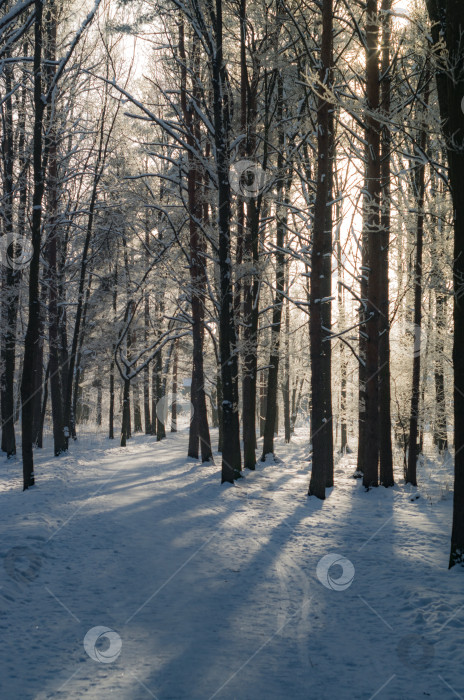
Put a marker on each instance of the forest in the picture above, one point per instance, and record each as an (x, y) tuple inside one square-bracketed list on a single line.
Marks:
[(232, 348)]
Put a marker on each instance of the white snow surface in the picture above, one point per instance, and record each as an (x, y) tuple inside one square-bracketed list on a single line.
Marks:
[(211, 591)]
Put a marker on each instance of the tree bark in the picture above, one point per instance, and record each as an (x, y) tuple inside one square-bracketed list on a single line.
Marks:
[(385, 442), (419, 191), (56, 391), (321, 278), (32, 338), (283, 186), (11, 276), (447, 18), (372, 232), (231, 457), (175, 365)]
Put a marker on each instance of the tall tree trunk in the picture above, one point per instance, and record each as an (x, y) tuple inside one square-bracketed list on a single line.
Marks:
[(32, 338), (126, 417), (146, 372), (282, 196), (321, 278), (11, 276), (112, 363), (385, 442), (199, 436), (372, 232), (447, 18), (343, 361), (59, 440), (250, 258), (362, 371), (419, 191), (231, 457)]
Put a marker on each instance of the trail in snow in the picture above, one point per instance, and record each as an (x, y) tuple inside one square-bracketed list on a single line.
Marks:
[(212, 591)]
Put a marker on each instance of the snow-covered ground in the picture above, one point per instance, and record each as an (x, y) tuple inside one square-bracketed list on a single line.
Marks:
[(225, 592)]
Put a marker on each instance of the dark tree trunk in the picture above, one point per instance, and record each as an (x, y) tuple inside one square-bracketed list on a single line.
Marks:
[(231, 457), (321, 279), (146, 372), (43, 408), (54, 336), (219, 411), (126, 413), (199, 437), (262, 401), (125, 424), (419, 192), (99, 402), (137, 410), (111, 406), (286, 381), (175, 364), (385, 442), (372, 228), (343, 361), (250, 260), (112, 363), (39, 366), (362, 376), (158, 385), (11, 276), (155, 396), (440, 433), (250, 335), (283, 186), (447, 18), (32, 339)]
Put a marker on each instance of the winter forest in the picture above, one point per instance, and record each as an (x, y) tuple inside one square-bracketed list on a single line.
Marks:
[(232, 349)]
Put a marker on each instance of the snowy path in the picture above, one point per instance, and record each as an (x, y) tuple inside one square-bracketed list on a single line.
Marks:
[(213, 591)]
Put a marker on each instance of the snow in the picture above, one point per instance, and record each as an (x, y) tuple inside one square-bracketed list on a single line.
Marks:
[(205, 591)]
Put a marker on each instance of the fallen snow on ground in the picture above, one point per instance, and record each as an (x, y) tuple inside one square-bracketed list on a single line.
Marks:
[(186, 589)]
